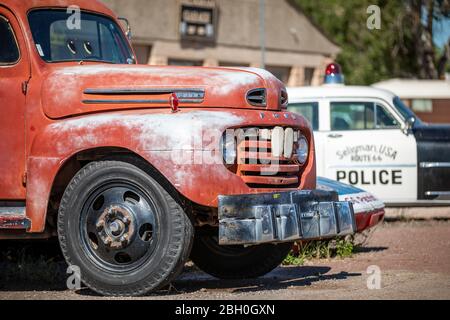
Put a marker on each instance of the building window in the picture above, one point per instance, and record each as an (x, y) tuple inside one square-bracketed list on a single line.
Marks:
[(407, 102), (422, 105), (181, 62), (281, 73), (142, 53), (308, 76), (198, 20)]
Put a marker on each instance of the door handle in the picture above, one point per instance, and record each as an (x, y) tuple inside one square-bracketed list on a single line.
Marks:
[(335, 135)]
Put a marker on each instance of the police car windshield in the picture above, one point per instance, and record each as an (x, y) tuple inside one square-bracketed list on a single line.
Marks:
[(61, 36), (404, 110)]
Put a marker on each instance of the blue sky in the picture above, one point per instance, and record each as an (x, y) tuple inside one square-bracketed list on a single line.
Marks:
[(441, 32)]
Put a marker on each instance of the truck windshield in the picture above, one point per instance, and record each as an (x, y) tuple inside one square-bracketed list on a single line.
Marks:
[(60, 36)]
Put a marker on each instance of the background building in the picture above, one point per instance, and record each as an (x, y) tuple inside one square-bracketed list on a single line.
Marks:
[(227, 33), (429, 99)]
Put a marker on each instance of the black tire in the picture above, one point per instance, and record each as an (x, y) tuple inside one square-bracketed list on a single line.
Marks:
[(236, 262), (159, 234)]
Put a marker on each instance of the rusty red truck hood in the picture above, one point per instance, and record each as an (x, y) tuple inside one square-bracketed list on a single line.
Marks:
[(88, 88)]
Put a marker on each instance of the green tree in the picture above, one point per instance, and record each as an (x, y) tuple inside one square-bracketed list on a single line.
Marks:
[(401, 48)]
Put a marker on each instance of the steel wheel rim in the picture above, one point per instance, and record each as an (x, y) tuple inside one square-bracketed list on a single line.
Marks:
[(119, 227)]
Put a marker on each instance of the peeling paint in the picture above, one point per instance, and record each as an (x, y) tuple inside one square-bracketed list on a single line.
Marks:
[(157, 132)]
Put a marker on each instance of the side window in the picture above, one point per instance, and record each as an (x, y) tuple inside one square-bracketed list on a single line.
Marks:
[(360, 116), (9, 51), (352, 115), (310, 110), (384, 119)]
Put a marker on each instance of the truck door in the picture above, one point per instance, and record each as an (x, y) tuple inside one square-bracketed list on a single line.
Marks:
[(14, 71), (367, 148)]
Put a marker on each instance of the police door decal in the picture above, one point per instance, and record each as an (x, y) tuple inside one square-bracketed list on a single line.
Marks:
[(369, 154), (367, 148)]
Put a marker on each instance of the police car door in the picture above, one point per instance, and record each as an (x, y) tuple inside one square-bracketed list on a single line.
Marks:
[(367, 148)]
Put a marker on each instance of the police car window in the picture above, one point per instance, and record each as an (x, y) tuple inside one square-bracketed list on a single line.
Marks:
[(352, 115), (310, 110), (9, 51), (384, 119)]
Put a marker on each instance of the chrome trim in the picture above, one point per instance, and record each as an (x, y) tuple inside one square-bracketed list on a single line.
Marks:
[(283, 217), (123, 101), (109, 91), (14, 218), (435, 164), (127, 23), (388, 165), (437, 193), (12, 210), (142, 101)]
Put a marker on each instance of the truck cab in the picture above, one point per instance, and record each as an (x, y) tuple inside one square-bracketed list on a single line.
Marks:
[(137, 168)]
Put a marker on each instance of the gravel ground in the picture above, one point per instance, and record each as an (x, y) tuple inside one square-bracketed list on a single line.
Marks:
[(413, 257)]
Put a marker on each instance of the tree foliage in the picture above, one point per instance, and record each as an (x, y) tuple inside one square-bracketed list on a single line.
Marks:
[(403, 46)]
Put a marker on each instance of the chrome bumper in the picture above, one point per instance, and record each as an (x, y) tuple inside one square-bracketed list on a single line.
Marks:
[(283, 217)]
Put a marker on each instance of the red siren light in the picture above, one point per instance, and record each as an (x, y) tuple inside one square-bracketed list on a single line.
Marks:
[(333, 68), (333, 74)]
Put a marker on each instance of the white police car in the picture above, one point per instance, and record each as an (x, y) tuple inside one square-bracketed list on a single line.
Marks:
[(367, 137)]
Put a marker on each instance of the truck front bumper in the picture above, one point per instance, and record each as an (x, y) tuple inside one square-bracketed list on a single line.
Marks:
[(283, 217)]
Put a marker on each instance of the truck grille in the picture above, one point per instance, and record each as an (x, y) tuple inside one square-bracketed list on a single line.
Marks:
[(259, 168)]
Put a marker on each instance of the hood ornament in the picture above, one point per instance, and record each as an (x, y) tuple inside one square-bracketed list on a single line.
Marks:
[(174, 102)]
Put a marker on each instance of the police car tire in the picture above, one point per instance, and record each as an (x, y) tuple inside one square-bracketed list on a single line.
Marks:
[(236, 262), (173, 247)]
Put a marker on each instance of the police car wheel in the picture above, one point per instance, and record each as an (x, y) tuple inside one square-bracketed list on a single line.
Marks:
[(122, 230), (236, 262)]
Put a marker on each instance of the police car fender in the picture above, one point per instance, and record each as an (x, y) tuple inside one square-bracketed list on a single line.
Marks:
[(363, 202)]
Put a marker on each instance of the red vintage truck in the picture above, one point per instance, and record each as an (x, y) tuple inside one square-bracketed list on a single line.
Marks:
[(138, 168)]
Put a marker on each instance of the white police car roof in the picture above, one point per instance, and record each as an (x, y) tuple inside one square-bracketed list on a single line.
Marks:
[(337, 91)]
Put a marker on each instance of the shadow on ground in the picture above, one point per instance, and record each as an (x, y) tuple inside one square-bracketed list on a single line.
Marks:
[(39, 265), (369, 249), (280, 278), (31, 266)]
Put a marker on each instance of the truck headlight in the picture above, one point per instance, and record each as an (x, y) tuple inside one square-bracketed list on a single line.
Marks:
[(228, 147), (302, 149)]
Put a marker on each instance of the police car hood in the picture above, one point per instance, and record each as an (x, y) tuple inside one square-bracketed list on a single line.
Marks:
[(432, 132), (77, 89), (363, 202)]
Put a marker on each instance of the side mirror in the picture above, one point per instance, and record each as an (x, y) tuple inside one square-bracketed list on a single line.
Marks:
[(409, 124), (127, 27)]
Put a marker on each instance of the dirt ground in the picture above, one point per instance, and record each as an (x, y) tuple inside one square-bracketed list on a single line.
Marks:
[(413, 258)]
